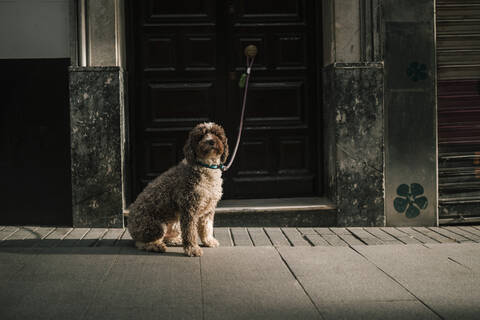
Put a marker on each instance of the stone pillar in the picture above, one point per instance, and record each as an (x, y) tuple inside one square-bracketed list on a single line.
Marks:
[(353, 111), (96, 109), (99, 118), (410, 109)]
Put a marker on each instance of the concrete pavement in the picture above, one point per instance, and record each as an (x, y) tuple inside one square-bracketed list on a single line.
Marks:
[(75, 280)]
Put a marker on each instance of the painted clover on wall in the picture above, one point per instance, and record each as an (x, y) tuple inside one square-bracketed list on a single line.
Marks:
[(417, 71), (410, 199)]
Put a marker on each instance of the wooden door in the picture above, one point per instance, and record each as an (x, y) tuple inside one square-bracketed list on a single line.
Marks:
[(187, 60)]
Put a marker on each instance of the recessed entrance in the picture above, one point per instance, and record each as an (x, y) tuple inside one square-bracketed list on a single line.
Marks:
[(185, 61)]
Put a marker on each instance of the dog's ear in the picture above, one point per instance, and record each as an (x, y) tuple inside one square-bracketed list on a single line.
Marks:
[(224, 156), (220, 133), (189, 147)]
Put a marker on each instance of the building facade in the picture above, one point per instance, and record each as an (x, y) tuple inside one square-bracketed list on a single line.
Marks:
[(343, 103)]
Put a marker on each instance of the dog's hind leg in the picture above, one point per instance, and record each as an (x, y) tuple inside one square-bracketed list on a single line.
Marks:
[(174, 234), (156, 245)]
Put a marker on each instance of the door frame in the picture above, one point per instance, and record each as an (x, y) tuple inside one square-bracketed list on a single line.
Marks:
[(133, 90)]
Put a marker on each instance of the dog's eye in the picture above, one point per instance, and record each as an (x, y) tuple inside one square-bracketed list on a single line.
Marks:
[(210, 142)]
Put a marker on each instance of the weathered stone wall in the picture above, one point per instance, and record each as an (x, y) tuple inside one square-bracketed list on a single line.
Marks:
[(353, 111), (353, 116), (97, 144)]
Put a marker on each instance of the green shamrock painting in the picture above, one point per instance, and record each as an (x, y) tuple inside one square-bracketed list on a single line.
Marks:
[(417, 71), (410, 200)]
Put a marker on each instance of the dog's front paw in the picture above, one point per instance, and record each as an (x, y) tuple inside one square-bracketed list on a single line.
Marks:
[(211, 242), (193, 251)]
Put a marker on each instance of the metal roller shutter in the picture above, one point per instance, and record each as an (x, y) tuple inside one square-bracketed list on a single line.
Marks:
[(458, 62)]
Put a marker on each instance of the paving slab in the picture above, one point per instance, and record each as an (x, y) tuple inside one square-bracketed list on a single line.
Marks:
[(465, 254), (277, 237), (240, 237), (295, 237), (126, 240), (92, 237), (317, 240), (20, 232), (449, 234), (378, 310), (334, 240), (340, 231), (382, 235), (56, 283), (471, 230), (55, 237), (259, 237), (350, 239), (465, 233), (149, 286), (110, 237), (445, 286), (13, 260), (365, 236), (415, 281), (251, 283), (339, 274), (323, 231), (27, 236), (68, 264), (417, 235), (74, 237), (7, 232), (223, 236), (46, 300), (401, 236), (17, 238), (434, 235), (307, 231)]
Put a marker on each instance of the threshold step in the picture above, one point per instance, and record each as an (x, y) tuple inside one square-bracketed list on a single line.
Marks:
[(279, 212)]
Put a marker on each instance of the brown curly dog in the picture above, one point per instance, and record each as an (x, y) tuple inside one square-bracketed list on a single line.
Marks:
[(179, 205)]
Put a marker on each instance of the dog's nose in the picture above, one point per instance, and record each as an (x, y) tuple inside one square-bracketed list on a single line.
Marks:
[(211, 142)]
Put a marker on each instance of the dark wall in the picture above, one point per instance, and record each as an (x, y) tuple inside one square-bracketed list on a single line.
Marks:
[(35, 178)]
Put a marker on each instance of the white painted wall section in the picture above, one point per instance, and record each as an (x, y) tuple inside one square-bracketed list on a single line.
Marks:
[(34, 29)]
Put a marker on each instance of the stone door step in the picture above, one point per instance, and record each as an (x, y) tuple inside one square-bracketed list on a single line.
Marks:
[(281, 212)]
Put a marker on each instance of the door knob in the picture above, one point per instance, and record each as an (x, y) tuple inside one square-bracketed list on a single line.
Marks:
[(231, 9)]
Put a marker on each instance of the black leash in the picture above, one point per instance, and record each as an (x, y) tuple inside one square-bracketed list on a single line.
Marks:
[(250, 53)]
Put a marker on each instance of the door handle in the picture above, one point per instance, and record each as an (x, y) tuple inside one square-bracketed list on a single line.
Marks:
[(231, 8)]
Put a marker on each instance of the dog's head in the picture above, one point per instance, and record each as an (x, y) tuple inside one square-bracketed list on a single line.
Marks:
[(207, 143)]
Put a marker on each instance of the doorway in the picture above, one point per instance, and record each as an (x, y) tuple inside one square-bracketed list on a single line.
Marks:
[(185, 59), (35, 142)]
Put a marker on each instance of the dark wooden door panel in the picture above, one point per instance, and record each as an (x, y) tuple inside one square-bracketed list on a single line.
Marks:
[(278, 154), (176, 80), (188, 59)]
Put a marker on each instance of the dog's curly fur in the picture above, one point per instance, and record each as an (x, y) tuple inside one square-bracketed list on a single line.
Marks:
[(179, 205)]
